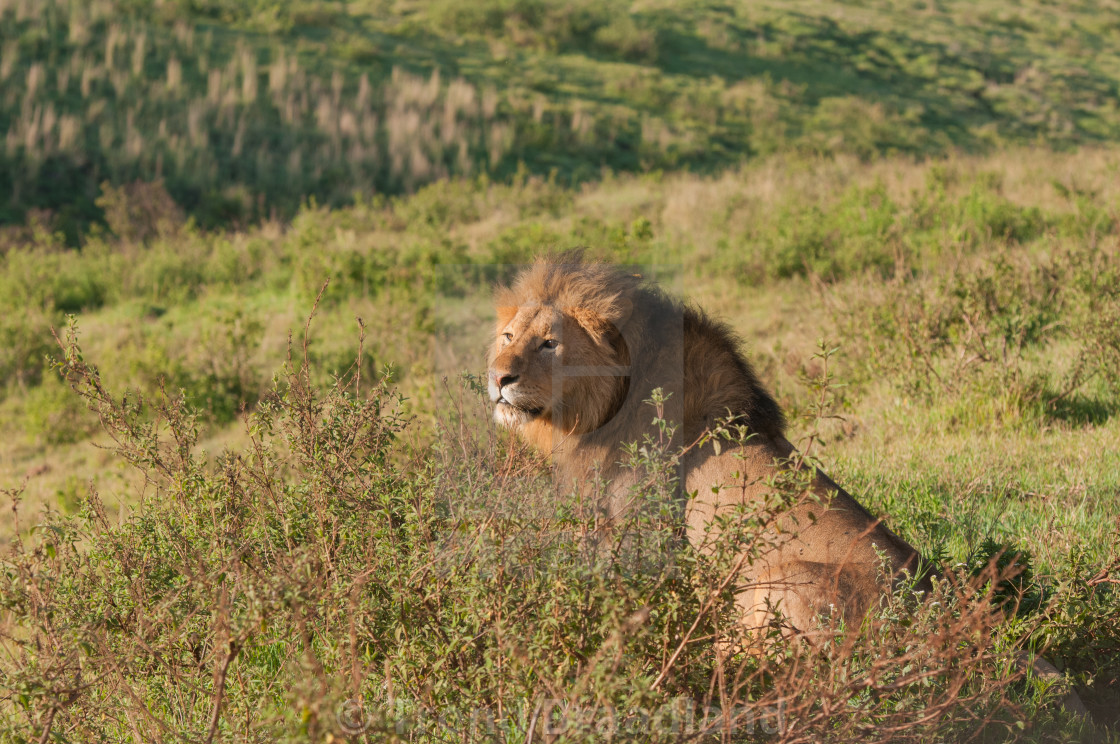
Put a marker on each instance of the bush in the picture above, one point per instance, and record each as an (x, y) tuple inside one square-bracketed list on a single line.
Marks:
[(984, 216), (598, 27), (168, 272), (25, 343), (47, 277), (982, 336), (335, 247), (139, 211), (320, 583), (211, 365), (856, 234), (625, 38)]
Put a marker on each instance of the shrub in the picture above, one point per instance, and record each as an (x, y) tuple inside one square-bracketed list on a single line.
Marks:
[(859, 232), (439, 205), (854, 235), (139, 211), (333, 248), (984, 216), (982, 335), (319, 583), (53, 415), (626, 38), (48, 277), (211, 366)]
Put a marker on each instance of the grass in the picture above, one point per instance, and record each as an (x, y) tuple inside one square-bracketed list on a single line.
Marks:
[(430, 604), (963, 453), (225, 522), (246, 110)]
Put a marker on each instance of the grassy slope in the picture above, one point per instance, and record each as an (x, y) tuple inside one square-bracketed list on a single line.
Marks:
[(949, 466), (247, 109), (822, 237)]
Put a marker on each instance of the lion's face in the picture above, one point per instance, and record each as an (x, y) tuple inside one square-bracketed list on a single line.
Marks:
[(523, 360), (546, 367)]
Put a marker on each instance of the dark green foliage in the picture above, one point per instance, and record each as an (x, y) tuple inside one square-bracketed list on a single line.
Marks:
[(245, 110), (1013, 562)]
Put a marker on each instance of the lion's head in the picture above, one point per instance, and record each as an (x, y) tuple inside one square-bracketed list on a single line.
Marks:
[(559, 363), (580, 346)]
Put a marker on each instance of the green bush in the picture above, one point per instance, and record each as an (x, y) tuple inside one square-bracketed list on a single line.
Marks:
[(625, 37), (320, 583), (335, 246), (139, 211), (985, 216), (45, 276), (168, 272), (439, 205), (210, 364), (985, 336), (854, 235), (599, 27)]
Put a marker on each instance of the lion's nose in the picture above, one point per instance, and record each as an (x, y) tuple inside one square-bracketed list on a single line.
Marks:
[(505, 379)]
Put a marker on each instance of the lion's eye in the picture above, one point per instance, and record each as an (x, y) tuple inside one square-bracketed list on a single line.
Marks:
[(550, 344), (508, 337)]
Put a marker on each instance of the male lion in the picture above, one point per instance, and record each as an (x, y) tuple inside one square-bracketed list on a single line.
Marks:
[(579, 349)]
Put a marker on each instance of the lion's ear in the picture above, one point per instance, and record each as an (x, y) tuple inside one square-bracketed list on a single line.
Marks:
[(594, 325), (606, 322), (621, 310)]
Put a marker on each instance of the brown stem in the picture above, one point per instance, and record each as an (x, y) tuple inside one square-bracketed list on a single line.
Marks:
[(220, 688)]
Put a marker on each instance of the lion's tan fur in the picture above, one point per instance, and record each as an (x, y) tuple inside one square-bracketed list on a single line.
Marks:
[(608, 318)]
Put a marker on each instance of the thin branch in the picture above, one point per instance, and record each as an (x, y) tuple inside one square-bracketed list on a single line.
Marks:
[(220, 688)]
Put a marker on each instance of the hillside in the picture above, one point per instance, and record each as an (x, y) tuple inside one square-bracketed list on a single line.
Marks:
[(250, 488), (247, 109)]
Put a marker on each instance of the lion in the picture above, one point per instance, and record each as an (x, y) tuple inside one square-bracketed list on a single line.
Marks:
[(579, 348)]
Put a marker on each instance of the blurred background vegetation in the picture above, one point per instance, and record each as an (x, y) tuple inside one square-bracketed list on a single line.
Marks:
[(933, 186), (244, 110)]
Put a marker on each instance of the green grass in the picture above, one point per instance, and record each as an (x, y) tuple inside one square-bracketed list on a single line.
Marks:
[(931, 188), (971, 301), (246, 110)]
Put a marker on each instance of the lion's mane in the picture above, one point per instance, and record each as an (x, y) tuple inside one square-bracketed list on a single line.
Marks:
[(667, 344)]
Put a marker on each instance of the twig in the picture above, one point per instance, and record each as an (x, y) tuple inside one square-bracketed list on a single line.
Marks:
[(220, 688), (1103, 576), (47, 726), (533, 724)]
